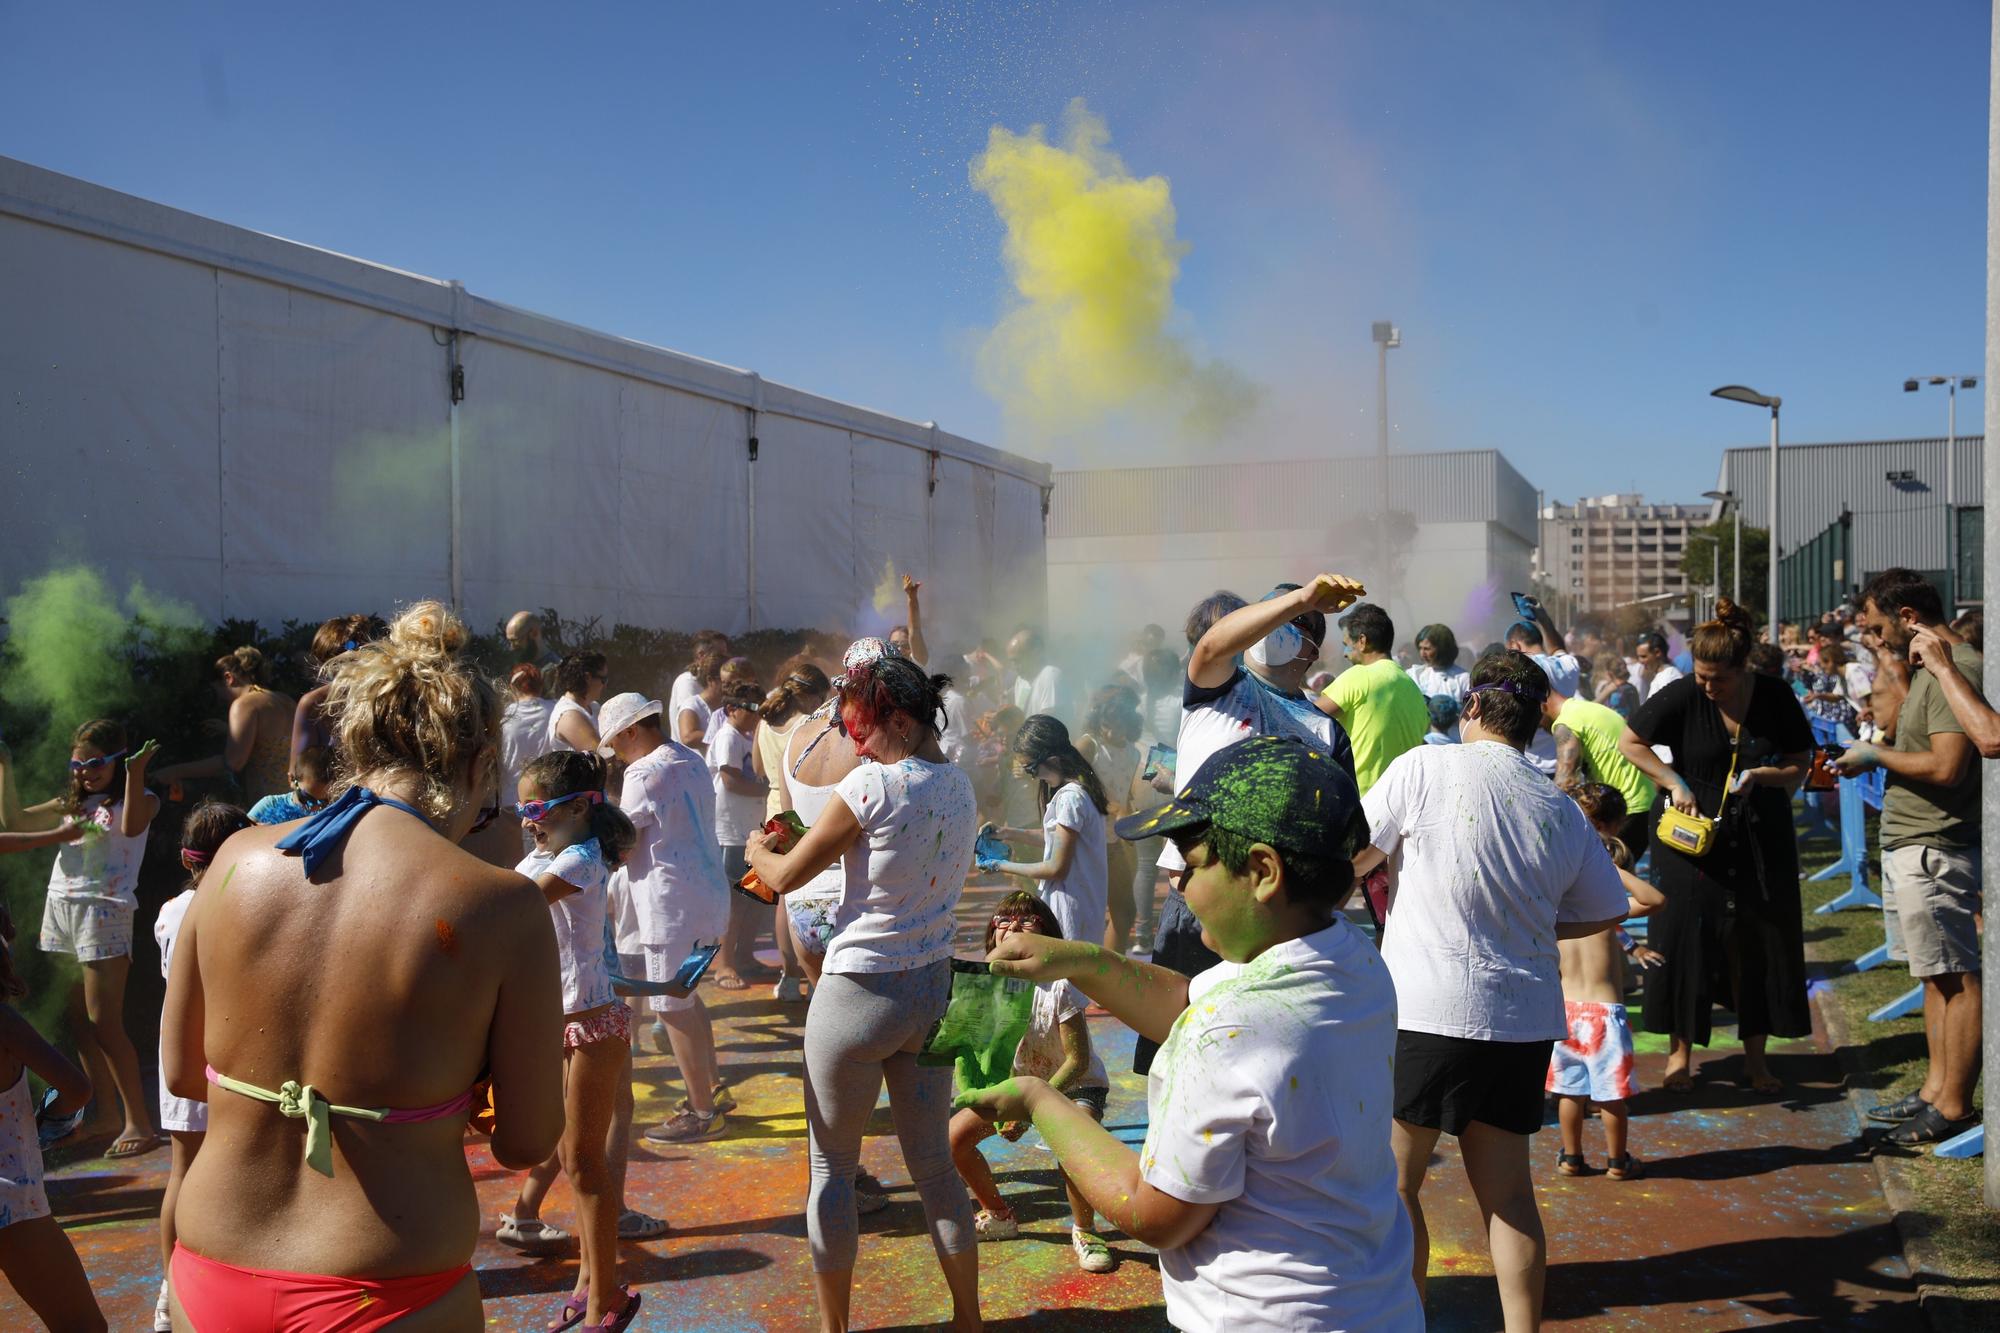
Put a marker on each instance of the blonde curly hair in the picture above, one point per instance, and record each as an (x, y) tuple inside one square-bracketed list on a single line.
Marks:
[(409, 704)]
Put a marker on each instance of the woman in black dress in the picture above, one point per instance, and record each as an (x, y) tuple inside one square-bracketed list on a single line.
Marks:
[(1731, 930)]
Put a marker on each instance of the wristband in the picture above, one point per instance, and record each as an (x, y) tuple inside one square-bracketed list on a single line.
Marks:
[(1625, 941)]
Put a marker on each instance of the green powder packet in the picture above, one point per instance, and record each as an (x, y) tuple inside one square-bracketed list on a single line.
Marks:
[(982, 1026)]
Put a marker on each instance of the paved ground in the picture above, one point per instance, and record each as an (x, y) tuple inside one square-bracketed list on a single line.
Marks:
[(1754, 1212)]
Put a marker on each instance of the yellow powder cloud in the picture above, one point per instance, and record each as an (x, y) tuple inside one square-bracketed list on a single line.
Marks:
[(1093, 256)]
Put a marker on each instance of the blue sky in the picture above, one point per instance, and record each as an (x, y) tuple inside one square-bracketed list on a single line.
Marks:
[(1583, 216)]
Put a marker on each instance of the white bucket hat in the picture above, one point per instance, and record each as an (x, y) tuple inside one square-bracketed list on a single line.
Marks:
[(619, 712)]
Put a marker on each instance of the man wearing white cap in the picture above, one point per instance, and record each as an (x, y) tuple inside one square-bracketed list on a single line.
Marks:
[(677, 886)]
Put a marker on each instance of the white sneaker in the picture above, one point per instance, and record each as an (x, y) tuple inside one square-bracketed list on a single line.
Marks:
[(1092, 1254), (791, 990), (988, 1227), (163, 1319)]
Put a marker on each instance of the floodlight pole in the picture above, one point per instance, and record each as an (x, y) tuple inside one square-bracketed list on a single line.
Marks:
[(1771, 574)]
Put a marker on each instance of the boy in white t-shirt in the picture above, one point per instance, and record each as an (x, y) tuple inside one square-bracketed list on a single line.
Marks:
[(739, 812), (1263, 1182)]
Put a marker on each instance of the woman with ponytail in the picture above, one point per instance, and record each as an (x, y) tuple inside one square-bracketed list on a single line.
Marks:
[(257, 749), (801, 690), (1073, 870), (1730, 929)]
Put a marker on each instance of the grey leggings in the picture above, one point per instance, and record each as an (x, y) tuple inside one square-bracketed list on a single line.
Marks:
[(861, 1029)]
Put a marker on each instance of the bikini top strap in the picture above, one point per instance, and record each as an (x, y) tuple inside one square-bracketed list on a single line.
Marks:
[(324, 831)]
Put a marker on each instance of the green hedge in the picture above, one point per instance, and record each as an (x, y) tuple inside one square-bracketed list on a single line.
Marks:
[(157, 676)]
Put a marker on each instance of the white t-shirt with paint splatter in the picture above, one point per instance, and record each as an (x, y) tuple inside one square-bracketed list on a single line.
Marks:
[(905, 872), (1080, 899), (579, 919), (1492, 857), (1272, 1097)]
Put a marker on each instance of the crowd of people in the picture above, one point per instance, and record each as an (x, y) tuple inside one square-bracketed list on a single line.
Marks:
[(1393, 894)]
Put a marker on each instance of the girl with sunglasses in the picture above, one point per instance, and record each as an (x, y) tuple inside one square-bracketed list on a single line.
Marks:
[(100, 824), (185, 1120), (1056, 1048), (1073, 871), (579, 837)]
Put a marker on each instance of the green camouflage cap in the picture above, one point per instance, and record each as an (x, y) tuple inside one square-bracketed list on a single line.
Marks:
[(1277, 790)]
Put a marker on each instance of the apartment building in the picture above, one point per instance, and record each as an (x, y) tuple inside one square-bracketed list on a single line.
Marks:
[(1608, 551)]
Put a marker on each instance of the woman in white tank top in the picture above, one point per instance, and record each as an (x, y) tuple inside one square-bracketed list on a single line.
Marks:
[(573, 722)]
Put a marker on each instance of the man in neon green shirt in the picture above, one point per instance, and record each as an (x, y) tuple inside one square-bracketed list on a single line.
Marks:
[(1381, 707), (1586, 736)]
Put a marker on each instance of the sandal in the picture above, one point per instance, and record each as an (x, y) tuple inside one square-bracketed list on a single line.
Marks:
[(617, 1320), (1572, 1164), (135, 1147), (574, 1308), (530, 1234), (635, 1225), (1768, 1086), (1622, 1167), (1929, 1126), (1896, 1112), (731, 981), (1680, 1082)]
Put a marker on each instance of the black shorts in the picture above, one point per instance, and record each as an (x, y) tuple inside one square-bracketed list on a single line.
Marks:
[(1446, 1083)]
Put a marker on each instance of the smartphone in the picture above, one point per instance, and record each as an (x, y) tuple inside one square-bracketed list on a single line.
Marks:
[(695, 964), (1526, 606), (1157, 757)]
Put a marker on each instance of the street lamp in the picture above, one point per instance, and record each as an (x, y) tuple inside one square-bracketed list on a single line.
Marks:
[(1386, 335), (1736, 545), (1736, 393), (1952, 383)]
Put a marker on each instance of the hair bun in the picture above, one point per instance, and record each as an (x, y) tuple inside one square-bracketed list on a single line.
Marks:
[(429, 629), (1729, 614)]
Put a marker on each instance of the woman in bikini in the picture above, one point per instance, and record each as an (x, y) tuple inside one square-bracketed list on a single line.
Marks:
[(257, 745), (338, 987)]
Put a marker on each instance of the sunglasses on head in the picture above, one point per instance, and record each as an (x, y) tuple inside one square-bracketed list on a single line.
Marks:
[(92, 765), (532, 811)]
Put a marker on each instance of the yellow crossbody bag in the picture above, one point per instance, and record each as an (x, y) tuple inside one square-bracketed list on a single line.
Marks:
[(1694, 835)]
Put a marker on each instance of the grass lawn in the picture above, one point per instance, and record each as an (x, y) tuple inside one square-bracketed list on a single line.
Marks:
[(1955, 1238)]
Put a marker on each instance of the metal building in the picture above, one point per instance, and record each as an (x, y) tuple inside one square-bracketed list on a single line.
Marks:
[(1847, 511), (263, 429), (1130, 545)]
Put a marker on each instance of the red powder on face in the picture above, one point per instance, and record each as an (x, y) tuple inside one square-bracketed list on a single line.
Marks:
[(447, 939)]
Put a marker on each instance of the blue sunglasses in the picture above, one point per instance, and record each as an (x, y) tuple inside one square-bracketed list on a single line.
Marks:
[(533, 811)]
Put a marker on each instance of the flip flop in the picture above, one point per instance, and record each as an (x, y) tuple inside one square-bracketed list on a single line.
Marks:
[(730, 981), (1768, 1086), (136, 1147), (1680, 1084)]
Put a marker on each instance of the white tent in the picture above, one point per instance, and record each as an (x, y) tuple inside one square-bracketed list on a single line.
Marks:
[(265, 430)]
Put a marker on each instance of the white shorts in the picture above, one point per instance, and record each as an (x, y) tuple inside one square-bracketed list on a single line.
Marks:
[(180, 1115), (93, 929), (662, 961)]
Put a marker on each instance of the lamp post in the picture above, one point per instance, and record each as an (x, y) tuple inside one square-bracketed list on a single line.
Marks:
[(1736, 542), (1952, 384), (1386, 335), (1736, 393)]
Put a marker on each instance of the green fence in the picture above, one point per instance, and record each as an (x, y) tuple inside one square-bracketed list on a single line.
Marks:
[(1971, 555), (1818, 576)]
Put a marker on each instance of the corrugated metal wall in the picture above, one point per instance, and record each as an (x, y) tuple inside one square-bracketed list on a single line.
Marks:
[(1896, 522), (1467, 486)]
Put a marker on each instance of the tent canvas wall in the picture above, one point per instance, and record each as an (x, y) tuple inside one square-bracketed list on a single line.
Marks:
[(265, 430)]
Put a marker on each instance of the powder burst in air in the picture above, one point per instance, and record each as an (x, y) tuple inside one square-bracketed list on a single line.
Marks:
[(1092, 253)]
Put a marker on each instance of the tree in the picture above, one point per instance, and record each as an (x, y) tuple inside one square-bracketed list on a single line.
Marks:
[(1710, 561)]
